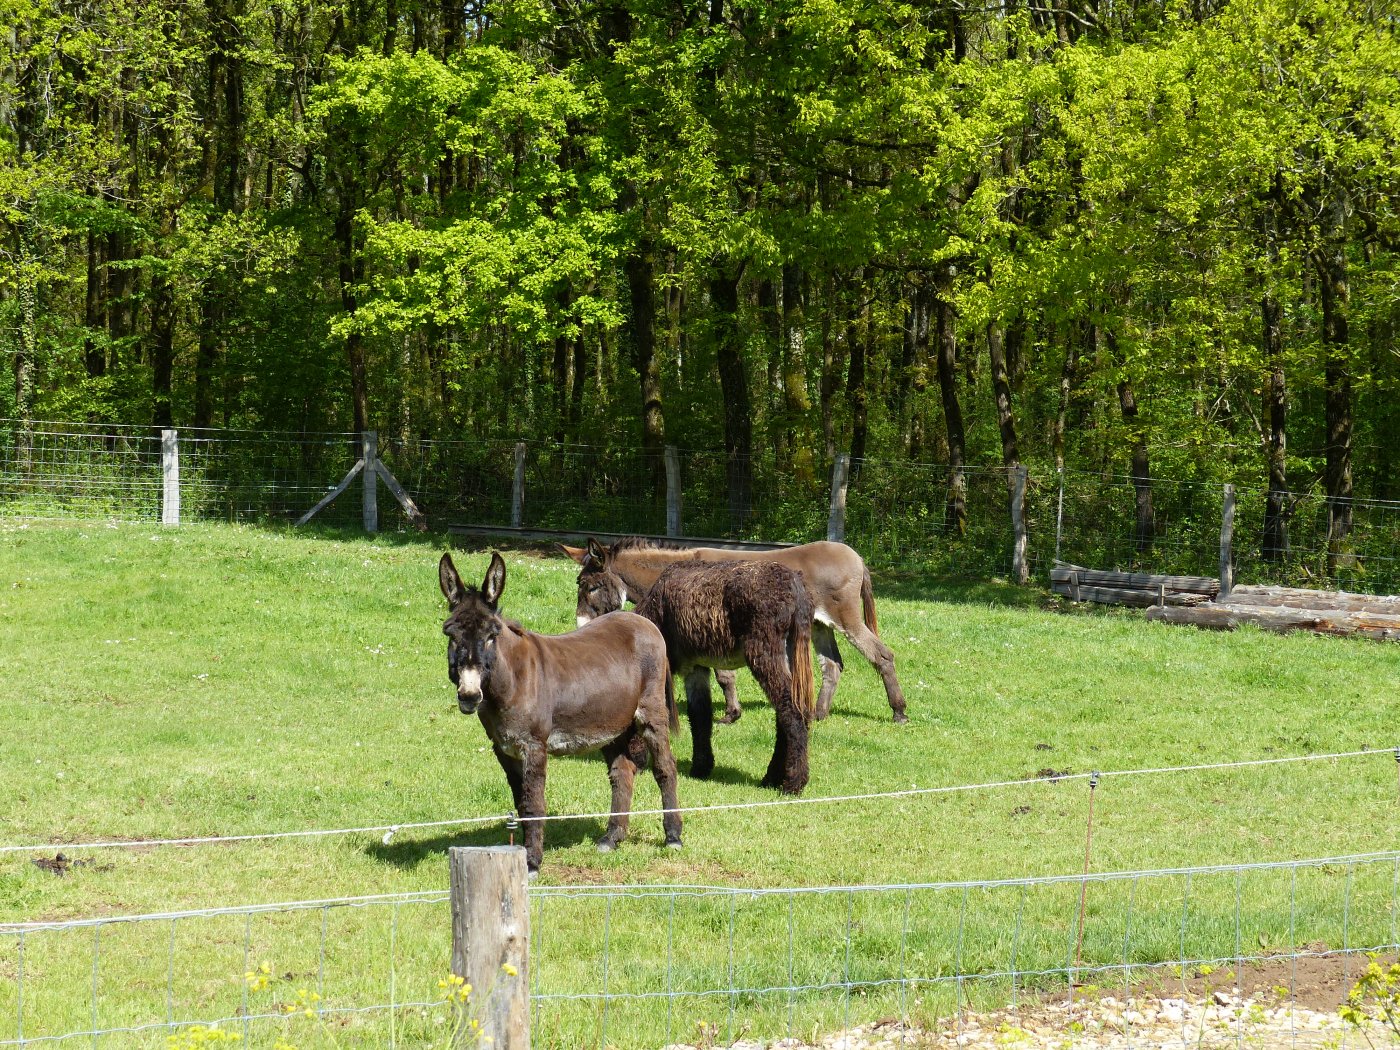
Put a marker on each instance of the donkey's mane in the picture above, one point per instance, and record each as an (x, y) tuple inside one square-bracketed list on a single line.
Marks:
[(642, 543)]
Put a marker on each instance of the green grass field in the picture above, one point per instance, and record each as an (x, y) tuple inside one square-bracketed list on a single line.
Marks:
[(215, 680)]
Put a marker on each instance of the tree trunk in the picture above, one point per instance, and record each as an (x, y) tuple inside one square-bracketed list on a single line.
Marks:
[(856, 394), (796, 402), (1335, 293), (641, 285), (1067, 376), (734, 389), (946, 356), (560, 370), (207, 355), (94, 352), (1275, 540), (832, 367), (350, 269), (1144, 519)]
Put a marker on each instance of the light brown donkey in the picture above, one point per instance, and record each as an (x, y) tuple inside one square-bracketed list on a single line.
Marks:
[(836, 577)]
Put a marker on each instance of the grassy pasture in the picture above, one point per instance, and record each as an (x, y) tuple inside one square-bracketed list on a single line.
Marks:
[(224, 680)]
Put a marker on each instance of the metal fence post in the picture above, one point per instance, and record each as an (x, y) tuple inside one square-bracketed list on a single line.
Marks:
[(369, 453), (170, 477), (517, 488), (1020, 572), (491, 943), (673, 491), (1227, 538), (836, 517)]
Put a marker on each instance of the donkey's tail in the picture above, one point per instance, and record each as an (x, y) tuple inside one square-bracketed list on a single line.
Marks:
[(804, 685), (671, 710), (867, 600)]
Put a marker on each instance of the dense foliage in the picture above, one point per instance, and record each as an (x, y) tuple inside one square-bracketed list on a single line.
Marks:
[(1152, 238)]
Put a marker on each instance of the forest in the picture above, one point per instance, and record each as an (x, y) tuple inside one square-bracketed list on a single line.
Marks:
[(1157, 238)]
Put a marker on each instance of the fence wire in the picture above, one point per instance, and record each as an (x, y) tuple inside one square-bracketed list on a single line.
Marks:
[(649, 966), (900, 516)]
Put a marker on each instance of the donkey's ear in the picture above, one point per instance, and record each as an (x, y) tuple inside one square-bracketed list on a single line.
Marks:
[(597, 554), (452, 588), (495, 581), (579, 554)]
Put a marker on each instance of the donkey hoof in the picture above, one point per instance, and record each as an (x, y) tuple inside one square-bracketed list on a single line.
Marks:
[(532, 874), (702, 770), (900, 718), (673, 843), (606, 845)]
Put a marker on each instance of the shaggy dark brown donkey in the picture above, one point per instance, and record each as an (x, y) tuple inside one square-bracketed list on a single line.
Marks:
[(728, 615), (836, 577), (605, 686)]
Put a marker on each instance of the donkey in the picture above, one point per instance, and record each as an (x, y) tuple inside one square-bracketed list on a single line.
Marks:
[(604, 686), (727, 615), (836, 576)]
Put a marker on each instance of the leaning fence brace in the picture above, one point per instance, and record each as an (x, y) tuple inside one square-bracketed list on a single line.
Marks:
[(644, 966)]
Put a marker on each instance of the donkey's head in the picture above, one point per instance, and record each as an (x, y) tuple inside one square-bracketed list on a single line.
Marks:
[(471, 629), (600, 590)]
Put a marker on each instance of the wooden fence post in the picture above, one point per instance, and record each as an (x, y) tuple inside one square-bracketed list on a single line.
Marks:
[(170, 478), (836, 517), (673, 491), (1227, 537), (491, 942), (1020, 572), (369, 455), (517, 488)]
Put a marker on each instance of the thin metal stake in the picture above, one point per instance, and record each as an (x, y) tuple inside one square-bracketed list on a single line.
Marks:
[(1084, 883), (607, 958), (19, 992), (670, 944), (321, 965), (792, 987), (247, 966), (170, 979), (733, 899), (96, 957), (393, 977), (846, 973), (903, 943), (957, 961), (1016, 942)]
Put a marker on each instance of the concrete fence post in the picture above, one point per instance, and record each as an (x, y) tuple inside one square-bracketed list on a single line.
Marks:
[(836, 516), (673, 491), (491, 943), (369, 455), (170, 477)]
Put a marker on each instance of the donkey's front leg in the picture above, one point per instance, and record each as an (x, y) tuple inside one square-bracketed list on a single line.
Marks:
[(622, 772), (532, 804), (702, 720)]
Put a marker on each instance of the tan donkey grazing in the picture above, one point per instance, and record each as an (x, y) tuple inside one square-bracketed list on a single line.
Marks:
[(836, 577)]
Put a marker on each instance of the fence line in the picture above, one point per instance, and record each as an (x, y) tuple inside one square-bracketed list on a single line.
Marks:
[(390, 830), (761, 961), (1015, 523)]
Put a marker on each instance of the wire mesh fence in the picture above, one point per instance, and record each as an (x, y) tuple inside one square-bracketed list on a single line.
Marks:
[(649, 966), (900, 516)]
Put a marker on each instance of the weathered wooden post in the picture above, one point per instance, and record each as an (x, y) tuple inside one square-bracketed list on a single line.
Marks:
[(170, 478), (369, 455), (517, 488), (1227, 537), (673, 491), (491, 943), (836, 517), (1020, 572)]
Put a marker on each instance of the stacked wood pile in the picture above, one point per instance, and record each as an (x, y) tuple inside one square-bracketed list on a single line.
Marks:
[(1283, 609), (1140, 589)]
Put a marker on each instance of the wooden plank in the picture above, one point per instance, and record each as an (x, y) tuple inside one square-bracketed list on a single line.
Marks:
[(405, 501), (491, 943), (1060, 573), (1282, 620), (1301, 598), (557, 535), (1126, 596), (333, 493)]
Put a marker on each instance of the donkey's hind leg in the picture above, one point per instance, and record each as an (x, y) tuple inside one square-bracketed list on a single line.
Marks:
[(824, 639), (702, 718), (515, 776), (878, 653), (732, 710), (787, 770), (622, 771)]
